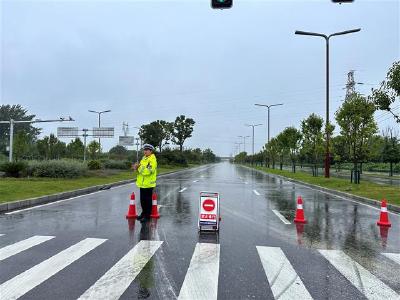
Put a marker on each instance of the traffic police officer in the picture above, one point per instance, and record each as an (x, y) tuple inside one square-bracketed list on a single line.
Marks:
[(146, 180)]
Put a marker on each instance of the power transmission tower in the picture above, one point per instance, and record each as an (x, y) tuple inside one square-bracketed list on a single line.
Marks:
[(351, 84)]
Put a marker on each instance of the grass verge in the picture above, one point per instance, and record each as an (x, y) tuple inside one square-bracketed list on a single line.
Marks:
[(364, 189), (13, 189)]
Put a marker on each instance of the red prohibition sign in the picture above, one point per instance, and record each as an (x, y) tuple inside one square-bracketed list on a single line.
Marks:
[(208, 205)]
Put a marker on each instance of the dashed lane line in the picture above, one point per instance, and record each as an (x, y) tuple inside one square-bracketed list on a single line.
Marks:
[(282, 278), (201, 280), (182, 190), (393, 256), (281, 217), (26, 281), (117, 279), (18, 247), (361, 278), (257, 193)]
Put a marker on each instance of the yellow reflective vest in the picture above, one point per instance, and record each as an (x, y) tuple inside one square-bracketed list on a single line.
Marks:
[(147, 172)]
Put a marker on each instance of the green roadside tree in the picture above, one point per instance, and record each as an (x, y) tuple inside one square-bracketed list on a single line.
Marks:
[(118, 152), (183, 129), (282, 149), (356, 120), (93, 149), (292, 139), (21, 145), (16, 112), (311, 129), (391, 149), (272, 150), (385, 96), (75, 149)]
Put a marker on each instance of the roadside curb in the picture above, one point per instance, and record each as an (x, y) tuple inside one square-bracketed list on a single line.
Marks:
[(372, 202), (20, 204)]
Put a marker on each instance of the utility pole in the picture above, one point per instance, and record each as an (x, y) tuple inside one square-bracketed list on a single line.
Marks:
[(244, 141), (85, 135), (253, 125), (327, 38), (137, 149), (12, 122), (99, 113), (238, 144)]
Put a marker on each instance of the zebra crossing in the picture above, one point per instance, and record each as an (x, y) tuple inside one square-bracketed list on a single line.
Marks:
[(201, 279)]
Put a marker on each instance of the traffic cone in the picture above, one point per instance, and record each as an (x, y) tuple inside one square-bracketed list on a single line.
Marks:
[(131, 224), (300, 212), (384, 231), (300, 230), (384, 217), (132, 208), (154, 208)]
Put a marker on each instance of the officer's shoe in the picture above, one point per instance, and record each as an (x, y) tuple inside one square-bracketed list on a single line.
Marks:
[(140, 217)]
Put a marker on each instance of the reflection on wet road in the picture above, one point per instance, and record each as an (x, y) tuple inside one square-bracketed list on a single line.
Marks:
[(259, 252)]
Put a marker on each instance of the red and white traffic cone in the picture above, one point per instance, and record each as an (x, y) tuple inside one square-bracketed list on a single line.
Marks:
[(300, 212), (132, 208), (384, 217), (154, 208)]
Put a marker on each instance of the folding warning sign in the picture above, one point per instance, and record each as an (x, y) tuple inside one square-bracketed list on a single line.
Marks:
[(209, 211)]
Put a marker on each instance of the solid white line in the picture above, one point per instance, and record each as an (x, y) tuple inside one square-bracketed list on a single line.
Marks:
[(201, 280), (257, 193), (362, 279), (283, 219), (24, 282), (59, 201), (114, 283), (282, 278), (393, 256), (1, 234), (182, 190), (18, 247)]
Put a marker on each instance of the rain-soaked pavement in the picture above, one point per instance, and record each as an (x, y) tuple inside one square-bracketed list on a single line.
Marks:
[(83, 246)]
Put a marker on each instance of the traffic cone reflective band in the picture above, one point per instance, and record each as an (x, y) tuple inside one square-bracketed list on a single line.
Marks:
[(384, 217), (299, 212), (154, 208), (132, 208)]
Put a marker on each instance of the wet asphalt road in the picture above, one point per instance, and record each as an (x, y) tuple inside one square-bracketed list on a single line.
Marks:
[(248, 199)]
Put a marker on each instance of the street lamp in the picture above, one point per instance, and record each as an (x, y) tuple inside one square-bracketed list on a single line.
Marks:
[(253, 125), (99, 113), (244, 141), (268, 106), (327, 37)]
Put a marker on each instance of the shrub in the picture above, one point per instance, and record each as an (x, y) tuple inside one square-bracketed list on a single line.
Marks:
[(174, 157), (94, 165), (56, 169), (13, 169), (117, 164)]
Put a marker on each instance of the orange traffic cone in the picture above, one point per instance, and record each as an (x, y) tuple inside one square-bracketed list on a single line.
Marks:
[(132, 208), (384, 217), (154, 208), (300, 212)]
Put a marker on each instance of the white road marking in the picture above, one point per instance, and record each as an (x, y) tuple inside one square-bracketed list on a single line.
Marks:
[(1, 234), (282, 278), (195, 180), (283, 219), (182, 190), (246, 182), (114, 283), (59, 201), (201, 280), (24, 282), (362, 279), (23, 245), (257, 193), (393, 256)]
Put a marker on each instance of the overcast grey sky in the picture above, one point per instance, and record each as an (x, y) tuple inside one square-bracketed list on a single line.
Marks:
[(149, 60)]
